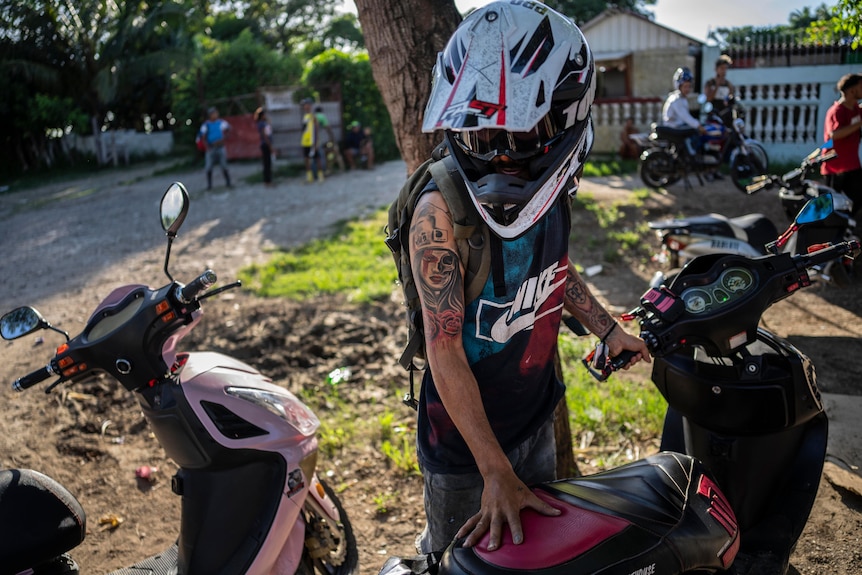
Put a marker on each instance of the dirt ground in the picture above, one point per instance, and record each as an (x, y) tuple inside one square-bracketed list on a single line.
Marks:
[(65, 246)]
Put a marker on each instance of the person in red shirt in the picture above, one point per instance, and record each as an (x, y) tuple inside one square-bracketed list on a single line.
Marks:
[(842, 126)]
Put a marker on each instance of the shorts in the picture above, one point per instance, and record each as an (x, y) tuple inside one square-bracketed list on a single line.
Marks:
[(452, 499)]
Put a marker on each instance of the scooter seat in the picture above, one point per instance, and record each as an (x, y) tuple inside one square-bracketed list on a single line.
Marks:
[(674, 134), (711, 225), (662, 514), (754, 229), (758, 229), (41, 520)]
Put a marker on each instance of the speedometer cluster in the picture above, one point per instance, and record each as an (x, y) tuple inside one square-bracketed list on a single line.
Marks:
[(730, 286)]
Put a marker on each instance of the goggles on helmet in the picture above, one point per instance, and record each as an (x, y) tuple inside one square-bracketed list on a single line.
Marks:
[(488, 143)]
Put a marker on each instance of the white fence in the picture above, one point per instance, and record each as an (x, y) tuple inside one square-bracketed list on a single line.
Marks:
[(785, 106), (120, 145)]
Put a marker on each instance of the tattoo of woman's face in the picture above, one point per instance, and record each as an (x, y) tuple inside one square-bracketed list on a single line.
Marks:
[(438, 267)]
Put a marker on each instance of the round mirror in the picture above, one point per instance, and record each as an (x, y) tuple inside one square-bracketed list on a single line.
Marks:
[(19, 322), (174, 207), (815, 210)]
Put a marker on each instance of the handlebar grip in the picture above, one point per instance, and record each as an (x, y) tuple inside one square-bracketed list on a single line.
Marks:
[(32, 379), (830, 253), (755, 187), (197, 286), (622, 359)]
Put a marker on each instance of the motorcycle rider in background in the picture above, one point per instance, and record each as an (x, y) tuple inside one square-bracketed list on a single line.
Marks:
[(676, 113)]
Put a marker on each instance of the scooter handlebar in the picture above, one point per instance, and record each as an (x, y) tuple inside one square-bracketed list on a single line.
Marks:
[(32, 379), (197, 286)]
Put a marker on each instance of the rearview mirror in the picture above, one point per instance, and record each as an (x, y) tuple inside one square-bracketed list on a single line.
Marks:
[(20, 322), (174, 207), (815, 210)]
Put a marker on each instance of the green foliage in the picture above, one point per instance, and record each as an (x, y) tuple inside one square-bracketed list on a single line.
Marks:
[(843, 21), (354, 260), (599, 169), (243, 65), (401, 452), (361, 97), (383, 502)]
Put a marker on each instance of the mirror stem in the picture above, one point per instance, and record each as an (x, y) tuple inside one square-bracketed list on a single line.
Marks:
[(168, 257)]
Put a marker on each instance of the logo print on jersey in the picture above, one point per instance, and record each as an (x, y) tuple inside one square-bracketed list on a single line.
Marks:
[(499, 322)]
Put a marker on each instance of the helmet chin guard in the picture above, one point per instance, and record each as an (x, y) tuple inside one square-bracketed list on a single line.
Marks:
[(524, 69), (510, 205)]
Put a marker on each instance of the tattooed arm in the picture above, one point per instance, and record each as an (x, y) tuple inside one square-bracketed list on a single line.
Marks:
[(439, 277), (582, 304)]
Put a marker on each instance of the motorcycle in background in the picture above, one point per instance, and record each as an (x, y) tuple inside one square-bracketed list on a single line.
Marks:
[(252, 502), (671, 155), (725, 137), (741, 400), (683, 239)]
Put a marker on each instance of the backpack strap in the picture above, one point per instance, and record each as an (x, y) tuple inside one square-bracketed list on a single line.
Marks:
[(472, 236)]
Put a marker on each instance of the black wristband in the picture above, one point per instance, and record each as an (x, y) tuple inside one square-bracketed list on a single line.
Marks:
[(609, 332)]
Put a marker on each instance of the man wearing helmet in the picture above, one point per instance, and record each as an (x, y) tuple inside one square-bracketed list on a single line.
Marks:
[(675, 112), (512, 92)]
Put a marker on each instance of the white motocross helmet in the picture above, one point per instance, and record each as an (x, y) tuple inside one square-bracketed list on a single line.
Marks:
[(516, 79)]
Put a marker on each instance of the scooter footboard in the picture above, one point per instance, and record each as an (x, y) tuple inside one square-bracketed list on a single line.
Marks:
[(663, 514)]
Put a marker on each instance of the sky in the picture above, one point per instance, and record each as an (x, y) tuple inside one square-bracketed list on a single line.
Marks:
[(696, 19)]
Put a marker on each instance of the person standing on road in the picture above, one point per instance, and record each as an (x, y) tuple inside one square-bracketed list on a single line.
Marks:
[(310, 142), (264, 130), (323, 148), (842, 126), (485, 418), (213, 133)]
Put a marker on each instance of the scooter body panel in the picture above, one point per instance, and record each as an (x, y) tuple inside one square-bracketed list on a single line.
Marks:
[(234, 446)]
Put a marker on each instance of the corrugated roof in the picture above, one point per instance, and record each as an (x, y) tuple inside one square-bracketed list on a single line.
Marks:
[(634, 21)]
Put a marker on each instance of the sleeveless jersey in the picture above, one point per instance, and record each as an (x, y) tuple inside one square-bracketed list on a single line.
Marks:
[(510, 342), (308, 135)]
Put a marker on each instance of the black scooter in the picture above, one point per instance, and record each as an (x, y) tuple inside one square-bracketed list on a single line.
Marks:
[(746, 428)]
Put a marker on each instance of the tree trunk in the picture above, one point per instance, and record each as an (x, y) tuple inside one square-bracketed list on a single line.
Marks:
[(567, 466), (403, 38)]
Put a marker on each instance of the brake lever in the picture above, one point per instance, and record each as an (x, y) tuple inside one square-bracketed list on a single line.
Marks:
[(601, 366), (219, 290)]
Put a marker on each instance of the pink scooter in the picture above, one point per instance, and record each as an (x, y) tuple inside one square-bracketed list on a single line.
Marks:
[(247, 450)]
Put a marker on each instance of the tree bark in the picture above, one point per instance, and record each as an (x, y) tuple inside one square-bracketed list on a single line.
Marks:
[(567, 465), (403, 38)]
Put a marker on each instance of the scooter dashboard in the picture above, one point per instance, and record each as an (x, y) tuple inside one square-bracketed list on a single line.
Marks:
[(730, 286)]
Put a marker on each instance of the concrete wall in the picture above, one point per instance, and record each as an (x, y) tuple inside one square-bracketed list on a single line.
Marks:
[(121, 145)]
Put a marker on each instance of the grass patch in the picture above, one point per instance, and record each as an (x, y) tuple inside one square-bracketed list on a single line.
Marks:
[(354, 260), (617, 230), (604, 168), (624, 407)]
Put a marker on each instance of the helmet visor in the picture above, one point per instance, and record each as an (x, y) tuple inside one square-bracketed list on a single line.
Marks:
[(488, 143)]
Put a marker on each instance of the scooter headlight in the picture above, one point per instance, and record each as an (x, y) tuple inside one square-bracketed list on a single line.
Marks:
[(283, 404)]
